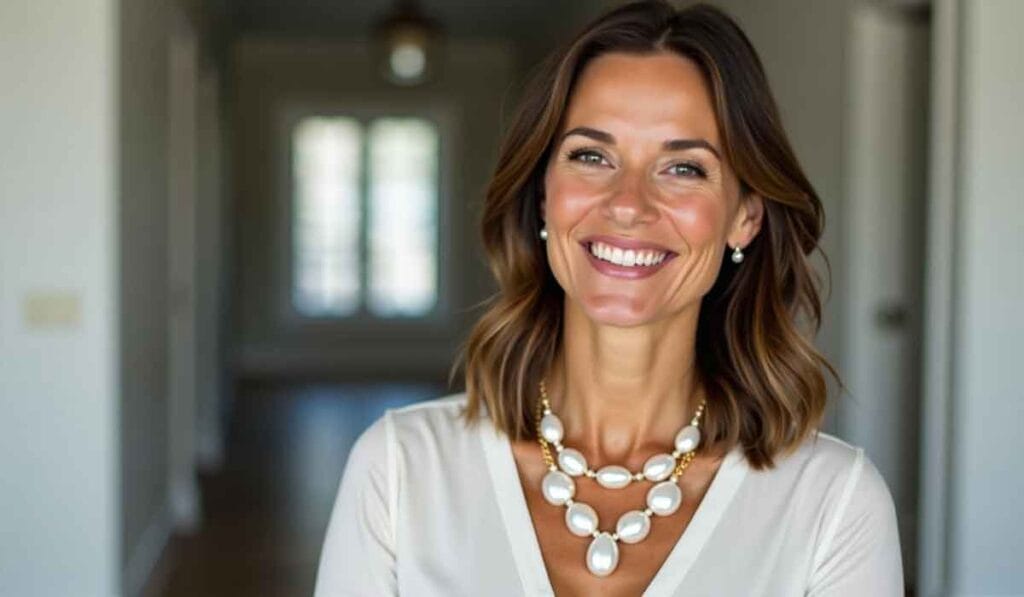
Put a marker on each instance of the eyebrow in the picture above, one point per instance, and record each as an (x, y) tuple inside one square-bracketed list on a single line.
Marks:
[(670, 145)]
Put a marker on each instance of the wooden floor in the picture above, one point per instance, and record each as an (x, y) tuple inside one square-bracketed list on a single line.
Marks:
[(266, 512)]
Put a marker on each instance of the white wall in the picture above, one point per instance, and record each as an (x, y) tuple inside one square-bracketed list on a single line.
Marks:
[(58, 255), (83, 253), (986, 537)]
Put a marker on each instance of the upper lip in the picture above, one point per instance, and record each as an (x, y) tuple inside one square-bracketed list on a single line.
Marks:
[(623, 243)]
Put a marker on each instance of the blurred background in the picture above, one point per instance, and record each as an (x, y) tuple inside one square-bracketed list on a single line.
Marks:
[(233, 232)]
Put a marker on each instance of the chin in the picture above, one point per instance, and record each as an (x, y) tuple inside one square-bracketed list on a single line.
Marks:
[(618, 311)]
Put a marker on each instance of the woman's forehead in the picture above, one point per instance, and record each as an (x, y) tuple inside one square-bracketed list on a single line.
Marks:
[(656, 94)]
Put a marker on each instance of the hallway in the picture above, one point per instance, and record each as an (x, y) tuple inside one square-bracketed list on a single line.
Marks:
[(265, 512), (234, 232)]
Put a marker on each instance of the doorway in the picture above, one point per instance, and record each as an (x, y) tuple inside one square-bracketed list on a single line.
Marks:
[(884, 230)]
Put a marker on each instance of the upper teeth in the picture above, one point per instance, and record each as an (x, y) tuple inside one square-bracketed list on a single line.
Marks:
[(627, 257)]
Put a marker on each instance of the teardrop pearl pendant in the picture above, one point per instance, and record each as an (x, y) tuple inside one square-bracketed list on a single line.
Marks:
[(559, 488)]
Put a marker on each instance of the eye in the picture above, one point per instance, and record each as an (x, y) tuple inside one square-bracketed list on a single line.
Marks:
[(586, 156), (687, 169)]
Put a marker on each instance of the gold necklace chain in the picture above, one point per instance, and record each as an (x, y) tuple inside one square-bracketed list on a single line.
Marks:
[(682, 462)]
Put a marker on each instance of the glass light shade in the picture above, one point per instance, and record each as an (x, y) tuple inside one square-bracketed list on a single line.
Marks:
[(406, 46)]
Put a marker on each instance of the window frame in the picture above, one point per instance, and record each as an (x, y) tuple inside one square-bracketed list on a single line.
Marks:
[(363, 319)]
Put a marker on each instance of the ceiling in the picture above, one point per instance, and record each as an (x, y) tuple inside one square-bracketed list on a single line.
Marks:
[(516, 19)]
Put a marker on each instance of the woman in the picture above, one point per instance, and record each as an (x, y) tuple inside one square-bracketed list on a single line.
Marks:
[(641, 409)]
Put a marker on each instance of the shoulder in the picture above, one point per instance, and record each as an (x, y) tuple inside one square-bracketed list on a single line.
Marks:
[(863, 495), (441, 411), (845, 467), (422, 427), (862, 470), (849, 507), (826, 484), (856, 538), (437, 421), (835, 473), (832, 505)]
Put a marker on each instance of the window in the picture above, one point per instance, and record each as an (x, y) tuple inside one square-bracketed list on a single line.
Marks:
[(365, 217)]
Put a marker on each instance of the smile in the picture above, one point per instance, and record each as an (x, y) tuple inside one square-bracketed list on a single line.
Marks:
[(625, 258)]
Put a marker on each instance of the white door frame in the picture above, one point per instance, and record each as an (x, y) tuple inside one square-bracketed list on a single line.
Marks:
[(940, 282), (183, 487)]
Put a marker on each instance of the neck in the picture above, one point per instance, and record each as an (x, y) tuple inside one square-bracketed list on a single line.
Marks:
[(623, 393)]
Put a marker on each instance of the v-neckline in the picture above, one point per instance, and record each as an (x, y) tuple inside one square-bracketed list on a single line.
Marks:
[(522, 535)]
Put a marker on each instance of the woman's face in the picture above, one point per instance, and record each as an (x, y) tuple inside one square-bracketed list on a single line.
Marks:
[(638, 202)]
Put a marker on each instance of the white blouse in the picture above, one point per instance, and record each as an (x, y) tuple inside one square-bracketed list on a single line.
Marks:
[(428, 506)]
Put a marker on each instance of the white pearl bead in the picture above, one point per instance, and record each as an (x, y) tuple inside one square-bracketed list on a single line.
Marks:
[(602, 555), (614, 476), (572, 462), (659, 467), (664, 498), (581, 519), (551, 428), (557, 487), (633, 527), (687, 439)]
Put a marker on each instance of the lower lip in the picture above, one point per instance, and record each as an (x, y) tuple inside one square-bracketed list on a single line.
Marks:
[(623, 271)]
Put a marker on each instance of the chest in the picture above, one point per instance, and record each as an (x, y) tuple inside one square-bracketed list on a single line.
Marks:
[(564, 553)]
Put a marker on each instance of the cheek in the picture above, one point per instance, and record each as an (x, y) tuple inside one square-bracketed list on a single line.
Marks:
[(568, 199), (698, 219)]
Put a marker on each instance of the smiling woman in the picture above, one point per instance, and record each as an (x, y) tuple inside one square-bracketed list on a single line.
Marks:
[(642, 406)]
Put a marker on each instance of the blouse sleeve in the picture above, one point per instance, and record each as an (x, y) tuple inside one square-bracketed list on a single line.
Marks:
[(358, 554), (860, 552)]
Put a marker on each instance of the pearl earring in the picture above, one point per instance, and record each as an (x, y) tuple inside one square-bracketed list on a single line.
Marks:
[(543, 233), (737, 255)]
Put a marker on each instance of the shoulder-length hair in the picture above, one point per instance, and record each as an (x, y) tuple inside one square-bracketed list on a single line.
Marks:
[(763, 379)]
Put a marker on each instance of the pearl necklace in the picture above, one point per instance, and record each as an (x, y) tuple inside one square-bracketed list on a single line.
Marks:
[(558, 487)]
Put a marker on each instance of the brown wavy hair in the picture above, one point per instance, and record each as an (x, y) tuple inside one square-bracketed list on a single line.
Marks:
[(763, 378)]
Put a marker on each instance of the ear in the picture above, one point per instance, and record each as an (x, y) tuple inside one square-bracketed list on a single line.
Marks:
[(543, 210), (747, 222)]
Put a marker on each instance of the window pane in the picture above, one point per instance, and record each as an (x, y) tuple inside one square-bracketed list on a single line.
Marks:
[(326, 216), (403, 216)]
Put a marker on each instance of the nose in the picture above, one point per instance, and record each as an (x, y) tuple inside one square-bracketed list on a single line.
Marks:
[(629, 202)]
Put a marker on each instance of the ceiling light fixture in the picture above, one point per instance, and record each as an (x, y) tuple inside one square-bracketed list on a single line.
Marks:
[(407, 44)]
